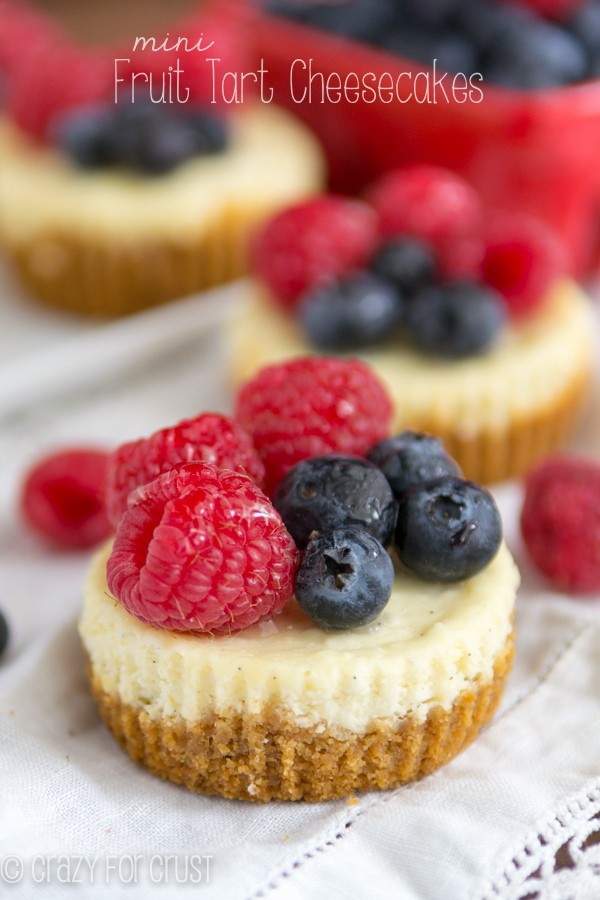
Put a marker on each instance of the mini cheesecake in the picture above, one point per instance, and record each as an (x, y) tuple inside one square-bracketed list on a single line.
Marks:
[(496, 412), (287, 711), (110, 241), (154, 210)]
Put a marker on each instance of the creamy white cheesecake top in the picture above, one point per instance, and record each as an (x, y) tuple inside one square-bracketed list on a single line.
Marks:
[(271, 158), (428, 645), (522, 373)]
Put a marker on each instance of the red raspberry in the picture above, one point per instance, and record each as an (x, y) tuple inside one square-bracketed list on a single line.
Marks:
[(312, 243), (62, 497), (22, 28), (560, 522), (309, 406), (522, 258), (210, 437), (425, 202), (202, 549), (53, 77)]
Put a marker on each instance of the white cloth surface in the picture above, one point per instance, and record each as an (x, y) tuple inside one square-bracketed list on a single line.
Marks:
[(78, 818)]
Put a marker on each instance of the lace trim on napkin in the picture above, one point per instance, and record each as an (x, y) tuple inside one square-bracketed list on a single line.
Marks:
[(559, 860)]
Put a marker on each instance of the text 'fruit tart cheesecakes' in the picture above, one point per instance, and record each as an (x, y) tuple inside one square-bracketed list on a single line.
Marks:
[(297, 606), (134, 172), (466, 315)]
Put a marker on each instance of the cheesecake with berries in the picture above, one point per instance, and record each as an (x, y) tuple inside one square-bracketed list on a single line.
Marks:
[(336, 619), (120, 189), (467, 315)]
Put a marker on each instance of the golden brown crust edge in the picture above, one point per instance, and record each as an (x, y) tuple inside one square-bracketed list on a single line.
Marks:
[(119, 278), (269, 757), (488, 456)]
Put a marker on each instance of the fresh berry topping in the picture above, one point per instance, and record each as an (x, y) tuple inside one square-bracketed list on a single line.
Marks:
[(537, 55), (83, 135), (412, 458), (455, 319), (459, 259), (326, 492), (143, 136), (4, 633), (452, 51), (310, 406), (312, 243), (447, 529), (407, 263), (526, 44), (425, 202), (352, 313), (202, 549), (63, 497), (345, 578), (560, 522), (210, 131), (351, 18), (210, 437), (585, 25), (151, 138), (522, 258)]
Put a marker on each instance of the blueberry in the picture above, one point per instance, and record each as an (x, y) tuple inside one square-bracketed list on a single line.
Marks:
[(325, 492), (540, 55), (455, 319), (149, 139), (210, 131), (410, 41), (351, 313), (298, 10), (166, 149), (585, 26), (486, 24), (412, 458), (429, 13), (451, 51), (407, 263), (447, 529), (3, 633), (357, 19), (82, 134), (345, 578), (593, 70), (144, 136)]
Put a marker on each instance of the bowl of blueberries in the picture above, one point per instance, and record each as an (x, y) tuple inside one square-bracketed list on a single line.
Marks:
[(504, 92)]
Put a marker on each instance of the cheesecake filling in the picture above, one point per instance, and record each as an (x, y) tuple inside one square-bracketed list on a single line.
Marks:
[(525, 371), (270, 158), (430, 643)]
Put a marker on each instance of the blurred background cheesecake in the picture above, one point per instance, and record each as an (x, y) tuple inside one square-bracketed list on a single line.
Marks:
[(131, 172)]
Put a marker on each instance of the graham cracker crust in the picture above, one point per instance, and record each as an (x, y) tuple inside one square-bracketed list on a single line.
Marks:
[(73, 273), (269, 757)]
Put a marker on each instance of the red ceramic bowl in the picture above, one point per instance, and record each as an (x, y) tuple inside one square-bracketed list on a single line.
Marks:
[(530, 151)]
